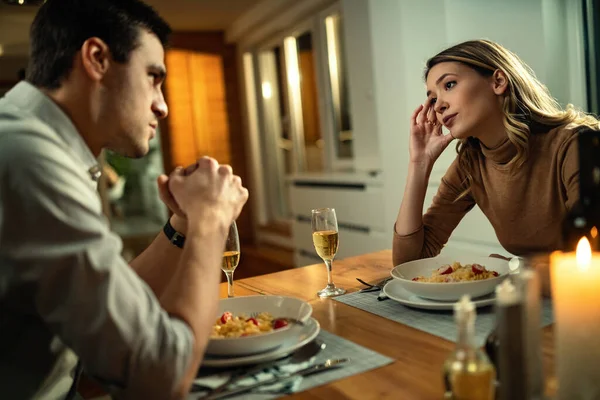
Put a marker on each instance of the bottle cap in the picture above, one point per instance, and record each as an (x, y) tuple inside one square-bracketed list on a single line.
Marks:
[(464, 308), (507, 294)]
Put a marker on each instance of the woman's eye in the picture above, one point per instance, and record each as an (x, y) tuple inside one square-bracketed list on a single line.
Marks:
[(450, 84), (433, 100)]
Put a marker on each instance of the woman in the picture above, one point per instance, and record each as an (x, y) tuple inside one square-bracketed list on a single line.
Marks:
[(517, 153)]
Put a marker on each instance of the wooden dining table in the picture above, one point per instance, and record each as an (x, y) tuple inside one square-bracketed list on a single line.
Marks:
[(416, 372)]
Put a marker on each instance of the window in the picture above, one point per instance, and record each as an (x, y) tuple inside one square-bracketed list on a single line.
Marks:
[(291, 140), (298, 106), (279, 154), (338, 86), (311, 122)]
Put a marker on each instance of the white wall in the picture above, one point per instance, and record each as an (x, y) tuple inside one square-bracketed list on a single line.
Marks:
[(564, 58), (386, 73)]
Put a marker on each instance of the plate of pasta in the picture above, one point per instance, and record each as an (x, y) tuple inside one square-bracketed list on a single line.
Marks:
[(449, 278), (255, 324)]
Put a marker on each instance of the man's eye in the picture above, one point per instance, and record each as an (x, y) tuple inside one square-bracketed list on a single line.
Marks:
[(156, 77), (450, 84), (433, 100)]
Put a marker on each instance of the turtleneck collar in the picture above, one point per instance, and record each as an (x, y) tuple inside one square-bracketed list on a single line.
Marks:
[(500, 154)]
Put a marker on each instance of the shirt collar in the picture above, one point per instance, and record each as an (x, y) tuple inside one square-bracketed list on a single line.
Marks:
[(29, 98)]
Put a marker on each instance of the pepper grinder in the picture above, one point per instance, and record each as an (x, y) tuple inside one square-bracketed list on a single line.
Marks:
[(518, 332)]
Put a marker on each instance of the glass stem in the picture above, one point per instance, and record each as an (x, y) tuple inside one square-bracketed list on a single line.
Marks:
[(229, 276), (329, 279)]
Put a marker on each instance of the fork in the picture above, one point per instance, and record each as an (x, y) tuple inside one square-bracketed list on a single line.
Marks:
[(306, 353), (372, 288), (378, 287)]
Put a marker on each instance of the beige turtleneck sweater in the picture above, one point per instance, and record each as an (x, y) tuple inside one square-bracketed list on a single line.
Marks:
[(526, 206)]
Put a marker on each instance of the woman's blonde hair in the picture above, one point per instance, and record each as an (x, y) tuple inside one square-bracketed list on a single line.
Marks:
[(528, 105)]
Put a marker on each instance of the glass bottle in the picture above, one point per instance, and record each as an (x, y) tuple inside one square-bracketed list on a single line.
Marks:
[(492, 349), (468, 372)]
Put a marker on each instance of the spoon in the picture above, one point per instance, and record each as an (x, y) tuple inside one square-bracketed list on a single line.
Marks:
[(303, 354)]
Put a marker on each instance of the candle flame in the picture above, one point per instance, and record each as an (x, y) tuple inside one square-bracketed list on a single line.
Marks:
[(594, 232), (583, 254)]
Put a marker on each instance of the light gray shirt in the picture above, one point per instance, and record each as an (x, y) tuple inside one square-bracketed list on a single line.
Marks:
[(64, 287)]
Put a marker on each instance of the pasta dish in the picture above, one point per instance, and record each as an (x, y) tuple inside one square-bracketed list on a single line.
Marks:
[(230, 326), (458, 273)]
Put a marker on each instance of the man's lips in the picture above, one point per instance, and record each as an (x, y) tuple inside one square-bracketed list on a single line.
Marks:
[(153, 133)]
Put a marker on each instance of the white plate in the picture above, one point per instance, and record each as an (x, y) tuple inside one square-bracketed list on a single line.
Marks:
[(451, 291), (395, 291), (300, 336), (277, 306)]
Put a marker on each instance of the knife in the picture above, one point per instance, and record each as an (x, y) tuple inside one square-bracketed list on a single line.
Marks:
[(322, 367)]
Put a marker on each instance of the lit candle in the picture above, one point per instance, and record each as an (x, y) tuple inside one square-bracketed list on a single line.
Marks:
[(576, 299)]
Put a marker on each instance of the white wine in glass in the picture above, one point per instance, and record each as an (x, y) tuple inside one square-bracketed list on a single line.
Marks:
[(326, 240), (231, 256)]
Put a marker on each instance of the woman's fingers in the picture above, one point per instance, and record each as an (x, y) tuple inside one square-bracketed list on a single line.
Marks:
[(431, 116), (425, 117), (427, 105), (428, 114), (415, 114)]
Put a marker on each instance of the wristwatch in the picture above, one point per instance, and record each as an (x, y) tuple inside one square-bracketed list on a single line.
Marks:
[(176, 238)]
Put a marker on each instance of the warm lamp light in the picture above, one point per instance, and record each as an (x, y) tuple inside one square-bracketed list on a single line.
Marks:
[(267, 91)]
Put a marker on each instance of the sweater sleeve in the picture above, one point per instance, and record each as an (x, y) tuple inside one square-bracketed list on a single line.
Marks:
[(439, 221), (569, 169)]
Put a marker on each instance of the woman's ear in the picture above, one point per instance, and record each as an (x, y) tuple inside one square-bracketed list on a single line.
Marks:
[(499, 82)]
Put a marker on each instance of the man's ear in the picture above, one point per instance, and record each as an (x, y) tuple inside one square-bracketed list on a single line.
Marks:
[(499, 82), (95, 58)]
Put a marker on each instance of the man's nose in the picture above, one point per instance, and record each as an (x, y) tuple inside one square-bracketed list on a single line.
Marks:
[(159, 107)]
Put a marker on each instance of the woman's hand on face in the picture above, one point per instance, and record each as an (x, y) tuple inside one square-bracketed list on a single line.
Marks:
[(427, 141)]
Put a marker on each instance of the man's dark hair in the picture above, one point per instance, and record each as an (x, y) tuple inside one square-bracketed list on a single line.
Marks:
[(62, 26)]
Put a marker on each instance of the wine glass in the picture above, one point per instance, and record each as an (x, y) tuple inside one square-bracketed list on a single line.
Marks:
[(231, 256), (325, 239)]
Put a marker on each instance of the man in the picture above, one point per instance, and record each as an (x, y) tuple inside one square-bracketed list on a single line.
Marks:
[(94, 82)]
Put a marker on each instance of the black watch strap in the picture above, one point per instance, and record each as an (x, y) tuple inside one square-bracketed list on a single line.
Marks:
[(174, 237)]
